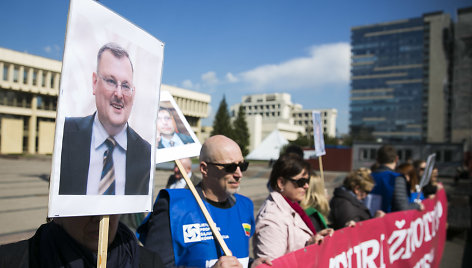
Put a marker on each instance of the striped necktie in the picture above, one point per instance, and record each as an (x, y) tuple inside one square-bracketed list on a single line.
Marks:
[(107, 180)]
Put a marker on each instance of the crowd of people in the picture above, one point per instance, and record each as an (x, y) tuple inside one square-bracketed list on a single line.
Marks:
[(296, 213)]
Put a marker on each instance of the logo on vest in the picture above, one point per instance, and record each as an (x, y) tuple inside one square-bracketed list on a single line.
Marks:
[(197, 232), (247, 229)]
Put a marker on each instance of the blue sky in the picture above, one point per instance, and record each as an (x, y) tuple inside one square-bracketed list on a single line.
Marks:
[(234, 47)]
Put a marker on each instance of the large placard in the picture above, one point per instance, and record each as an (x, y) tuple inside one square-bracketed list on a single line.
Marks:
[(104, 149)]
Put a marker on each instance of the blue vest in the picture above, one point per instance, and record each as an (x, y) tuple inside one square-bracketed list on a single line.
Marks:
[(384, 185), (192, 239)]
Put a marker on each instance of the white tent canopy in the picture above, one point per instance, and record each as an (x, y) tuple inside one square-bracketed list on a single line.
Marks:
[(269, 147)]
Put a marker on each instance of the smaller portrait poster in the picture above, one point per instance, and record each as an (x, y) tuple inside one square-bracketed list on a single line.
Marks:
[(318, 134), (104, 147), (175, 138)]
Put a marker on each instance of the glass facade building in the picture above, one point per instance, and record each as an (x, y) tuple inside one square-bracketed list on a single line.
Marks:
[(390, 85)]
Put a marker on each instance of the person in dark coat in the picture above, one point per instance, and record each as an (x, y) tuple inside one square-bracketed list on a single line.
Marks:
[(346, 205), (177, 181), (73, 242)]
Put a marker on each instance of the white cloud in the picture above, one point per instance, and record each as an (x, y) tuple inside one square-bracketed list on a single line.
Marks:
[(231, 78), (325, 66), (187, 84), (54, 49), (209, 78)]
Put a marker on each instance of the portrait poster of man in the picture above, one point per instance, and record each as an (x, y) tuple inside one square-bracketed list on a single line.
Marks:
[(104, 148), (318, 134), (175, 138)]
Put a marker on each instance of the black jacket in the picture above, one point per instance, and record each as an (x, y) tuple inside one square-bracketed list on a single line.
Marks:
[(346, 207), (51, 246)]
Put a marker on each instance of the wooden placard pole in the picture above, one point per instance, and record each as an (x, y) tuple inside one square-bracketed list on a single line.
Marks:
[(321, 167), (103, 241), (210, 221)]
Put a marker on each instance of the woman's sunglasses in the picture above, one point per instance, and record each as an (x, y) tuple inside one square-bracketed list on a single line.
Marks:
[(300, 182), (231, 167)]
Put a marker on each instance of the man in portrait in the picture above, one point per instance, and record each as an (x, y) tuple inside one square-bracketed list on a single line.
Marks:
[(167, 135), (101, 153)]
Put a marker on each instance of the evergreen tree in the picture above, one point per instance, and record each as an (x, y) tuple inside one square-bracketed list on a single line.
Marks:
[(222, 122), (303, 140), (241, 131)]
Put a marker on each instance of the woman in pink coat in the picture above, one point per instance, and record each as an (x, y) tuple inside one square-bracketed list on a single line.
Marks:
[(281, 224)]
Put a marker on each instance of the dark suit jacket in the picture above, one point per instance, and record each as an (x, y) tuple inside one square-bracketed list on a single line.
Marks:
[(184, 138), (75, 159), (194, 179)]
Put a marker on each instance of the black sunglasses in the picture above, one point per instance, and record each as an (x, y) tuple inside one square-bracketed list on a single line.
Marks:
[(231, 167), (300, 182)]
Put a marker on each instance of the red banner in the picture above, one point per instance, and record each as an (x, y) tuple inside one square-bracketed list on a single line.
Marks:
[(401, 239)]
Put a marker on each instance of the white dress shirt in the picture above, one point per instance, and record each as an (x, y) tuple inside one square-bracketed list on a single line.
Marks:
[(97, 149), (177, 141), (180, 183)]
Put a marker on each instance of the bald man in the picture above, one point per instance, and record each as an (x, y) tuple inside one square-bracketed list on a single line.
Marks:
[(177, 229), (177, 181)]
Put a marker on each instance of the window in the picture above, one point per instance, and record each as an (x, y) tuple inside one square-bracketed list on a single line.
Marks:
[(5, 72), (447, 155), (35, 78), (367, 154), (43, 83), (25, 76), (16, 74), (52, 80)]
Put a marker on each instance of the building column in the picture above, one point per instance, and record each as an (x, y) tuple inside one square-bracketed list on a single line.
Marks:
[(21, 73), (30, 77), (32, 126), (56, 82), (39, 79), (48, 80)]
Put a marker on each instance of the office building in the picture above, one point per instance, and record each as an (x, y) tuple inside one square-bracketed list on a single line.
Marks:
[(29, 87), (304, 118), (461, 114), (276, 111), (400, 80)]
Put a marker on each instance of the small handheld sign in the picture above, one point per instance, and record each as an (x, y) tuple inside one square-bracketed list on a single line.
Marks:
[(430, 161), (318, 139)]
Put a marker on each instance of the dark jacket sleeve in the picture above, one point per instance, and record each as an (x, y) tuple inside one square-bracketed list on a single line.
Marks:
[(15, 254), (149, 259), (343, 211), (400, 196), (159, 238)]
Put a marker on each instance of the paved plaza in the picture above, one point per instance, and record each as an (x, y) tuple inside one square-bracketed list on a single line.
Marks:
[(24, 198)]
